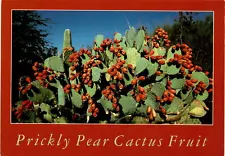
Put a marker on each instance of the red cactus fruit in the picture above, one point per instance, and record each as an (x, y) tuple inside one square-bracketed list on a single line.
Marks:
[(28, 79), (68, 86), (134, 81), (151, 52), (141, 78), (36, 64), (94, 114), (121, 86), (189, 82), (142, 96), (114, 100), (114, 105), (158, 73), (138, 99), (141, 89), (194, 80), (124, 70), (206, 73), (34, 68), (110, 97), (161, 62), (24, 91)]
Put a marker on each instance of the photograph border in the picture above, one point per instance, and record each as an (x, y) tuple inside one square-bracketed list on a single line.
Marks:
[(93, 37), (214, 133)]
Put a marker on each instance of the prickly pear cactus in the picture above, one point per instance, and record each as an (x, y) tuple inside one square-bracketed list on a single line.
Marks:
[(132, 79)]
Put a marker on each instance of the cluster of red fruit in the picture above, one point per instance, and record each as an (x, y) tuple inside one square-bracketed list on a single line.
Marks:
[(190, 83), (26, 104), (184, 60), (168, 94), (118, 70), (87, 72), (41, 73), (118, 51), (178, 59), (75, 56), (68, 88), (109, 93), (160, 34), (93, 108), (150, 54), (86, 68), (86, 76), (105, 43), (139, 94), (135, 81), (25, 89), (200, 88)]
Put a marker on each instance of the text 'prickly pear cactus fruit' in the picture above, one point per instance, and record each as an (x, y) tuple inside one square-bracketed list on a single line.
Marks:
[(129, 79)]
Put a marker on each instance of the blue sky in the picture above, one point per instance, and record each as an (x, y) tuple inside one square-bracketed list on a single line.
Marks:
[(85, 25)]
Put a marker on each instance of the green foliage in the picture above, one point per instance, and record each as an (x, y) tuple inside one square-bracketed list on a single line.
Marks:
[(128, 103), (152, 67), (200, 76), (130, 37), (106, 103), (175, 106), (139, 39), (45, 108), (40, 93), (203, 96), (178, 83), (76, 99), (98, 40), (118, 36), (91, 90), (196, 109), (131, 79), (132, 56), (55, 63), (151, 101), (61, 95), (158, 89), (141, 65), (96, 73)]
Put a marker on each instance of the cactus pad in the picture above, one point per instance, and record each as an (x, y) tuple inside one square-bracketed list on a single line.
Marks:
[(76, 99), (55, 63), (96, 73), (158, 89), (139, 39), (132, 56), (141, 65), (128, 103), (130, 37)]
